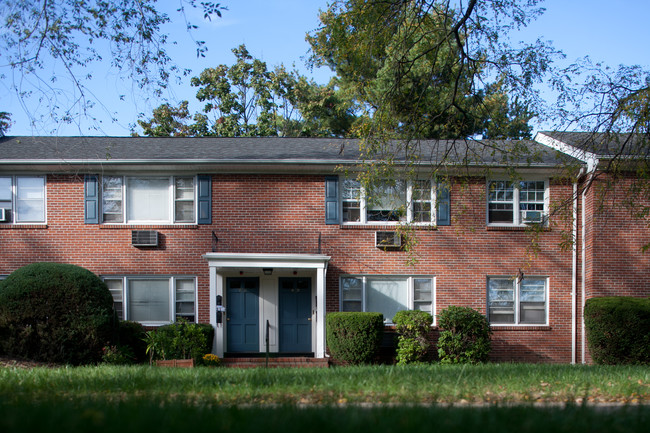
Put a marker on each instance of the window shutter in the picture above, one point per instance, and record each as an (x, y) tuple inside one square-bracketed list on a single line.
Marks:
[(443, 217), (204, 199), (91, 199), (331, 200)]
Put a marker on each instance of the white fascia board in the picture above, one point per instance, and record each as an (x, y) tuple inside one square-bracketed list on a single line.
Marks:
[(582, 155), (261, 260)]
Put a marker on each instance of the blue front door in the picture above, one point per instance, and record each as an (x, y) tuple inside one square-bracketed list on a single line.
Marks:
[(295, 315), (242, 314)]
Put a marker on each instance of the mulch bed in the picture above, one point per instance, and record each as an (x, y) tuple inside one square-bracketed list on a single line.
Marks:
[(20, 363)]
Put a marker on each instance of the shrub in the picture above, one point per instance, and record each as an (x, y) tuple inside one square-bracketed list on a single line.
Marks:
[(412, 343), (618, 330), (55, 312), (354, 337), (117, 355), (131, 339), (180, 340), (465, 336)]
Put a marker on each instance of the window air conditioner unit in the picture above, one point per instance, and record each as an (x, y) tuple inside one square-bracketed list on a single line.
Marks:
[(532, 216), (388, 240), (144, 238), (4, 215)]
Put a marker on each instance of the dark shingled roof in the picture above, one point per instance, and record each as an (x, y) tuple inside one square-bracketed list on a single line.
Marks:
[(605, 145), (255, 150)]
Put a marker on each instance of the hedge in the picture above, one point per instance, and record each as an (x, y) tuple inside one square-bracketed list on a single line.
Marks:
[(55, 312), (618, 330), (354, 337), (464, 337)]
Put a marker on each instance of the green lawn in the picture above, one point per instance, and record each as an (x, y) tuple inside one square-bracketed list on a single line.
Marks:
[(334, 400)]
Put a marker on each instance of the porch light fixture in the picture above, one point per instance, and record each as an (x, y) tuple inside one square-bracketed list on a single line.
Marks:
[(267, 271)]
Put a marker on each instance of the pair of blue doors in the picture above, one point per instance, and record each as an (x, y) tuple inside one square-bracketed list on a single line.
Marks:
[(294, 308)]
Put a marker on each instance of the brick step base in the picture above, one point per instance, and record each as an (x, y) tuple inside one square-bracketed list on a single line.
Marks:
[(292, 362)]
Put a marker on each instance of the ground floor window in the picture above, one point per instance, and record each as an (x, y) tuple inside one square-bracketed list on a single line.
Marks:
[(154, 300), (517, 301), (387, 294)]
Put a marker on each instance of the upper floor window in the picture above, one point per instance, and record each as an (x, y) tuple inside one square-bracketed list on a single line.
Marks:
[(22, 199), (389, 202), (158, 199), (515, 301), (387, 295), (517, 203), (153, 300)]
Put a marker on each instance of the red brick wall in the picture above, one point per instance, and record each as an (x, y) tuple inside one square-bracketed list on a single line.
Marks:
[(285, 214)]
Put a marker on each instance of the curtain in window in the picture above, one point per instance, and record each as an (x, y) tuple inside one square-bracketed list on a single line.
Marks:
[(148, 199), (386, 296), (149, 300)]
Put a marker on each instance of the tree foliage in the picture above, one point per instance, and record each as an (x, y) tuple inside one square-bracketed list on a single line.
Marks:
[(426, 69), (247, 99), (5, 122), (47, 41)]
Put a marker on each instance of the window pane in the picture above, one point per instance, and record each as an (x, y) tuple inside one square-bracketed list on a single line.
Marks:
[(112, 199), (184, 199), (115, 287), (351, 195), (387, 201), (30, 199), (351, 289), (501, 300), (386, 296), (185, 291), (148, 199), (533, 290), (500, 202), (148, 300), (422, 289), (5, 189)]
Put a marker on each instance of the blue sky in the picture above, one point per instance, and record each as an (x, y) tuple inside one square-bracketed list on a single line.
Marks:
[(274, 31)]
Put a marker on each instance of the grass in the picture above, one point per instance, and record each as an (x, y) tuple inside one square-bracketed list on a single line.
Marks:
[(431, 397)]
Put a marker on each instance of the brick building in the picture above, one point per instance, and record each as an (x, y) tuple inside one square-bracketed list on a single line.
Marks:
[(261, 237)]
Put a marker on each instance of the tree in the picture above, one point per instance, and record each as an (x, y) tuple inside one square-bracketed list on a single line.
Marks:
[(248, 99), (5, 122), (45, 42), (414, 69)]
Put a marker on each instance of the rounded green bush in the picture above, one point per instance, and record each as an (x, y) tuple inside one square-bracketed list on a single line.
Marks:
[(618, 329), (465, 336), (55, 312), (354, 337)]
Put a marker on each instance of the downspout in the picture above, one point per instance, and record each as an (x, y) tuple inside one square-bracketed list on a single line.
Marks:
[(592, 164), (574, 273)]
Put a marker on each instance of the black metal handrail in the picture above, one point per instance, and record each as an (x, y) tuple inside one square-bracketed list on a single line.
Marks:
[(268, 326)]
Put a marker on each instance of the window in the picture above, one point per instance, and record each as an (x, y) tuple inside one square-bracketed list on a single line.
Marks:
[(389, 202), (23, 199), (516, 203), (161, 199), (153, 300), (387, 295), (515, 301)]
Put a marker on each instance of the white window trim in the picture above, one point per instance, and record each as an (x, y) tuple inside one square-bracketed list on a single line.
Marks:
[(363, 217), (172, 201), (516, 219), (517, 287), (410, 284), (14, 199), (172, 295)]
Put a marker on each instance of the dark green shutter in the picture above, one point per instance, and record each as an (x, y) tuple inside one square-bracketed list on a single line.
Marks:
[(204, 199), (443, 217), (91, 199), (331, 200)]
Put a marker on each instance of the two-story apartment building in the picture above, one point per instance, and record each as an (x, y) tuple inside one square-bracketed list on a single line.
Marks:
[(262, 237)]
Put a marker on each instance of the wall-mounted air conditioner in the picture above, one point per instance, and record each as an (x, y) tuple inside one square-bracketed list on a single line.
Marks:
[(5, 215), (532, 216), (144, 238), (388, 240)]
